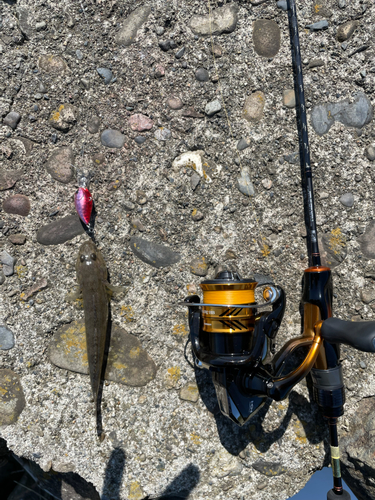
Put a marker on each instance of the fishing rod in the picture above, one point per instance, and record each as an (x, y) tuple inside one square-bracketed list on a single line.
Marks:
[(233, 333)]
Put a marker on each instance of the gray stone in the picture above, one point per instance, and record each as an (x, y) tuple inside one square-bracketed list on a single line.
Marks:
[(199, 266), (79, 55), (356, 114), (342, 4), (12, 399), (282, 4), (12, 119), (212, 107), (42, 25), (254, 105), (315, 63), (17, 239), (223, 20), (24, 22), (8, 263), (244, 184), (292, 158), (367, 296), (180, 53), (370, 153), (320, 25), (163, 134), (2, 277), (202, 75), (367, 241), (60, 165), (159, 30), (165, 45), (17, 204), (266, 37), (6, 338), (93, 124), (140, 139), (131, 25), (112, 138), (60, 231), (128, 363), (106, 74), (197, 215), (346, 30), (242, 144), (153, 254), (175, 103), (270, 469), (194, 181), (289, 98), (347, 199)]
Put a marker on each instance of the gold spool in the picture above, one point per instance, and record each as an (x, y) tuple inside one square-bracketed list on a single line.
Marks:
[(227, 319)]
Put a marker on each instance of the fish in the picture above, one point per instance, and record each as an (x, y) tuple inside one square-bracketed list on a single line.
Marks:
[(92, 279)]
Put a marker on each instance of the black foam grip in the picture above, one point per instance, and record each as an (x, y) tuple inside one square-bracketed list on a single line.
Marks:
[(360, 335)]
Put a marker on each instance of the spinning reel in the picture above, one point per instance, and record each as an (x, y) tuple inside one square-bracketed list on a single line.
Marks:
[(233, 336)]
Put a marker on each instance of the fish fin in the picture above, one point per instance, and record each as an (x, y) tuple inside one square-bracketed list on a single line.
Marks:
[(115, 290), (73, 295)]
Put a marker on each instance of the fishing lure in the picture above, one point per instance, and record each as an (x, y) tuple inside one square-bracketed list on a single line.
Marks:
[(83, 201)]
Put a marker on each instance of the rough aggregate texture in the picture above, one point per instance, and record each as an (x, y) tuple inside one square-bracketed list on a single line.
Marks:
[(157, 443)]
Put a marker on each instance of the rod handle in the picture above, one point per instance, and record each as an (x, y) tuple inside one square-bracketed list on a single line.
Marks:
[(360, 334)]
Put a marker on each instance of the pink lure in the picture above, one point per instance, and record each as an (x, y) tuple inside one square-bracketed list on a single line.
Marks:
[(83, 202)]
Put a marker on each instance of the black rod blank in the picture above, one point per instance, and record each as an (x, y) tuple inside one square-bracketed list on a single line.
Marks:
[(304, 151)]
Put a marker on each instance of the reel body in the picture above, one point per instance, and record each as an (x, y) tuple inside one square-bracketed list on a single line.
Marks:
[(233, 338)]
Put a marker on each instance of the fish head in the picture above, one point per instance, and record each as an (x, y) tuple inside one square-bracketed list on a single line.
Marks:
[(90, 258)]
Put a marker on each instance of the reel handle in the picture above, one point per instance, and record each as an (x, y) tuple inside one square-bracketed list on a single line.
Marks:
[(360, 335)]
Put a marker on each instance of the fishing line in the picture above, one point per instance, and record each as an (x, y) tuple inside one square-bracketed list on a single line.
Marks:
[(264, 248)]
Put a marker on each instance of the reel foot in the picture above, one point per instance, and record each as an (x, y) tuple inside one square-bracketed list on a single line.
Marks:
[(335, 495)]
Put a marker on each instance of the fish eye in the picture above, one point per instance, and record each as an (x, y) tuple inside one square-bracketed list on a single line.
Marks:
[(82, 258), (93, 256)]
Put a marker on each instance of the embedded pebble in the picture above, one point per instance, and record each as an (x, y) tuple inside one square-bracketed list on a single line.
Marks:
[(223, 20), (212, 107), (254, 105), (244, 184), (180, 53), (60, 231), (270, 468), (64, 117), (8, 178), (370, 153), (128, 31), (196, 161), (197, 215), (139, 122), (159, 71), (199, 266), (52, 64), (194, 181), (315, 63), (320, 25), (8, 263), (17, 204), (153, 254), (106, 74), (202, 75), (165, 45), (141, 197), (346, 30), (128, 363), (190, 393), (137, 224), (2, 277), (347, 199), (282, 4), (12, 119), (242, 144), (266, 37), (17, 239), (112, 138), (267, 183), (163, 134), (367, 296), (289, 98), (367, 241), (175, 103), (60, 165), (140, 139), (355, 114), (12, 399), (93, 124)]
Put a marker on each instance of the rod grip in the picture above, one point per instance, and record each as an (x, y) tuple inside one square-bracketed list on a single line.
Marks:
[(360, 335)]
